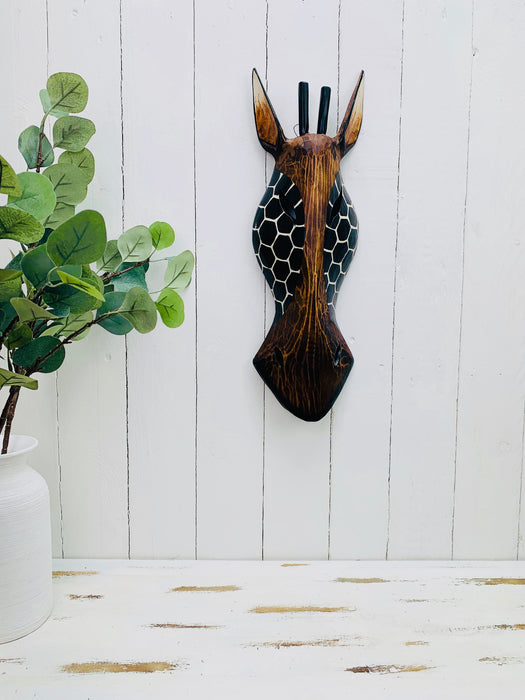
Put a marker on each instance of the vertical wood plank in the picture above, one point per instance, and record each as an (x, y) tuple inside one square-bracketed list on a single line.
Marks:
[(24, 74), (370, 39), (433, 161), (491, 390), (84, 38), (229, 40), (158, 145), (302, 45)]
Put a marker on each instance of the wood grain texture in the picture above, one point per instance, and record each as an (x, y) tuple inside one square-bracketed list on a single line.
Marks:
[(491, 389), (296, 454), (312, 637), (304, 358)]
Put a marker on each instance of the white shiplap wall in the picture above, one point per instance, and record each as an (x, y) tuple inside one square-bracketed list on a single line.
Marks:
[(167, 445)]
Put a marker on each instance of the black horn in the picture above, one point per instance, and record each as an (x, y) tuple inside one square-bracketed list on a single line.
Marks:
[(324, 106), (303, 108)]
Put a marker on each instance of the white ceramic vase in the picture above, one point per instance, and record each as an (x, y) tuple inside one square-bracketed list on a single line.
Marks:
[(25, 543)]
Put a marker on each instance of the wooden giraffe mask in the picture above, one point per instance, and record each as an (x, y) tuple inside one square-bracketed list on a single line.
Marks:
[(304, 236)]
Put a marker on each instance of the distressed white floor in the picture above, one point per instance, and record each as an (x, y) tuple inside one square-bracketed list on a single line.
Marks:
[(181, 629)]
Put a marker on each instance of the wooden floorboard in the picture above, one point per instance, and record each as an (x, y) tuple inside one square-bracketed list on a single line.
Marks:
[(224, 629)]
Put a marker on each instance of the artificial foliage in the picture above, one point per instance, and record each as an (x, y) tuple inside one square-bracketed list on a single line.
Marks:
[(66, 276)]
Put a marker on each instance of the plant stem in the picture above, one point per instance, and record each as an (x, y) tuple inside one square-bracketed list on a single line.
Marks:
[(111, 275), (40, 141), (4, 411), (66, 341), (7, 329), (11, 406)]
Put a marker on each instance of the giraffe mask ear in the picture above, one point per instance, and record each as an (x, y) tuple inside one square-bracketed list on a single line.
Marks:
[(268, 128), (351, 124)]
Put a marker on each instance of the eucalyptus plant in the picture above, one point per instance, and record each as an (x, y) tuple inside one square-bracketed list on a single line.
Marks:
[(67, 276)]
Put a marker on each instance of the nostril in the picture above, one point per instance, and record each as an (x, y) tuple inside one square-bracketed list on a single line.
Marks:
[(278, 357), (337, 356)]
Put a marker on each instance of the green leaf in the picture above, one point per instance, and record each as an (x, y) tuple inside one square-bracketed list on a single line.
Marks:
[(16, 262), (37, 198), (179, 270), (8, 180), (71, 325), (139, 309), (28, 143), (20, 335), (36, 264), (13, 379), (67, 91), (8, 275), (135, 244), (47, 107), (171, 308), (10, 289), (116, 324), (75, 270), (7, 314), (33, 353), (19, 226), (60, 310), (162, 234), (74, 299), (80, 284), (28, 311), (83, 159), (111, 258), (62, 213), (78, 301), (79, 240), (72, 133), (134, 277), (68, 182)]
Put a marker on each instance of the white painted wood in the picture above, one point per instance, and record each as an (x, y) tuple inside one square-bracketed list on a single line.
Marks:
[(296, 473), (24, 75), (158, 146), (84, 38), (302, 516), (437, 55), (370, 40), (25, 543), (229, 41), (491, 391), (422, 630)]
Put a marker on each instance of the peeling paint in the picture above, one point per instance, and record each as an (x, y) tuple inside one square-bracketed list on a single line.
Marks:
[(495, 581), (297, 609), (501, 661), (11, 661), (417, 644), (388, 669), (519, 626), (293, 644), (59, 574), (90, 596), (413, 600), (119, 667), (178, 626), (362, 580), (205, 589)]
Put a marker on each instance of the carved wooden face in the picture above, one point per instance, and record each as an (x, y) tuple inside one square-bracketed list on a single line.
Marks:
[(304, 236)]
